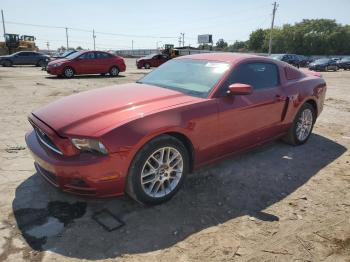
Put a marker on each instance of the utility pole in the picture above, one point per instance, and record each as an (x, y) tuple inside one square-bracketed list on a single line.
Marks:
[(67, 36), (183, 39), (94, 37), (48, 46), (132, 47), (272, 24), (3, 22), (180, 40)]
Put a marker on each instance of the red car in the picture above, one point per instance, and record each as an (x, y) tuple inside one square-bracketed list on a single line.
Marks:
[(153, 60), (143, 138), (87, 62)]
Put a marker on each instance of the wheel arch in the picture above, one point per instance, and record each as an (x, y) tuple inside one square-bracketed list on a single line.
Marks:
[(314, 105)]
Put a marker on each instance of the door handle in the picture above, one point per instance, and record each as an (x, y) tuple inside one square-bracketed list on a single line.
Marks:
[(280, 98)]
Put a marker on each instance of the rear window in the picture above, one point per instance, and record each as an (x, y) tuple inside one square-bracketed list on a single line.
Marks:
[(292, 73)]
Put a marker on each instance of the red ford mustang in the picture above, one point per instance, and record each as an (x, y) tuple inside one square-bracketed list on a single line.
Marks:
[(143, 138), (87, 62)]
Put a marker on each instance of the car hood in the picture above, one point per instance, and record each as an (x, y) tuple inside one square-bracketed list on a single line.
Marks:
[(95, 112), (58, 61), (5, 56)]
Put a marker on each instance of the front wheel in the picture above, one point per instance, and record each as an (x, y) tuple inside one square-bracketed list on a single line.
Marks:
[(147, 66), (302, 126), (68, 72), (114, 71), (7, 63), (158, 170)]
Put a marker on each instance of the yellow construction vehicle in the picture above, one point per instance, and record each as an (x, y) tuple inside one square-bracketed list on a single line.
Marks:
[(14, 43), (170, 51)]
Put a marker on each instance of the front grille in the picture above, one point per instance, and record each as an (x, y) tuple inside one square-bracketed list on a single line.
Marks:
[(44, 139)]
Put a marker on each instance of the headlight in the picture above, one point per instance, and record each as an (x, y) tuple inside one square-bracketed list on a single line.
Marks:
[(91, 145), (56, 65)]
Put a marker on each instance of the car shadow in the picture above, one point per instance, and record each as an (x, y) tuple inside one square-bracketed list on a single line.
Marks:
[(243, 185), (83, 77)]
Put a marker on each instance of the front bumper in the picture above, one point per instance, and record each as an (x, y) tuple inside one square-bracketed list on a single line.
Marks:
[(54, 70), (84, 174)]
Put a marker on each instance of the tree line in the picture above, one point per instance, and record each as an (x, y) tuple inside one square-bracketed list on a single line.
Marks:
[(308, 37)]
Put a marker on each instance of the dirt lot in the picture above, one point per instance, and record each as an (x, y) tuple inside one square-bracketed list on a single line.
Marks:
[(276, 203)]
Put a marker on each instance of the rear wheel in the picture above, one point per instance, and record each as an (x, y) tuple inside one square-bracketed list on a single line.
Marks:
[(68, 72), (147, 66), (336, 68), (158, 170), (114, 71), (41, 63), (302, 126)]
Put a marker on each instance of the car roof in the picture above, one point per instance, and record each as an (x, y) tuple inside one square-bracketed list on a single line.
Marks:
[(231, 58)]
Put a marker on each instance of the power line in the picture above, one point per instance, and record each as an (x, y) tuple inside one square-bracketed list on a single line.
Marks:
[(89, 31)]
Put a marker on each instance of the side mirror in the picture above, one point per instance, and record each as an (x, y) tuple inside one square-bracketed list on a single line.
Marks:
[(240, 89)]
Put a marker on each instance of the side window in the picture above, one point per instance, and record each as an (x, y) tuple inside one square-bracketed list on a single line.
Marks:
[(259, 75), (89, 55), (100, 55)]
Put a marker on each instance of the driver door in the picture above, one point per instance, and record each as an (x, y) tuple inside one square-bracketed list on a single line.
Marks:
[(247, 120), (85, 64)]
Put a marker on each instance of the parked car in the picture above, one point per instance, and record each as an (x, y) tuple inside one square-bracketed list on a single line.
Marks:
[(24, 58), (153, 60), (143, 138), (324, 64), (288, 58), (344, 63), (304, 60), (87, 62), (58, 56)]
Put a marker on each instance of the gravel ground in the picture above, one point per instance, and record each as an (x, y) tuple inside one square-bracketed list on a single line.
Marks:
[(275, 203)]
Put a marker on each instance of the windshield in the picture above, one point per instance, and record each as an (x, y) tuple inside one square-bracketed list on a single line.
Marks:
[(74, 55), (66, 53), (150, 56), (345, 59), (321, 61), (277, 57), (189, 76)]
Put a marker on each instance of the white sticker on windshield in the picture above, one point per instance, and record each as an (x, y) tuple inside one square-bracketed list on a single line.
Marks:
[(218, 67)]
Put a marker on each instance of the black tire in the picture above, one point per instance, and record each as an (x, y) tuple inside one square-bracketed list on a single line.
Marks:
[(147, 66), (134, 185), (7, 63), (40, 63), (114, 71), (292, 137), (68, 72)]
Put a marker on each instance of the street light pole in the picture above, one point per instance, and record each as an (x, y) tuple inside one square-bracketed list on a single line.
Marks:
[(94, 37), (67, 37), (3, 22), (272, 24)]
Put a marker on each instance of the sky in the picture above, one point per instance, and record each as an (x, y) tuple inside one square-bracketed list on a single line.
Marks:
[(151, 23)]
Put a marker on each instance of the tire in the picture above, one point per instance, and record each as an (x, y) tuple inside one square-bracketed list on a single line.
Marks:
[(336, 69), (68, 72), (294, 137), (114, 71), (40, 63), (162, 184), (7, 63), (147, 66), (326, 68)]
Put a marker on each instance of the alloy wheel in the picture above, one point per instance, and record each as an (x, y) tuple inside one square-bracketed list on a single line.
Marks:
[(162, 172), (304, 124)]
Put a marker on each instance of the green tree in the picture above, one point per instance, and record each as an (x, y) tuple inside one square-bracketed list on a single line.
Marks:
[(221, 44)]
